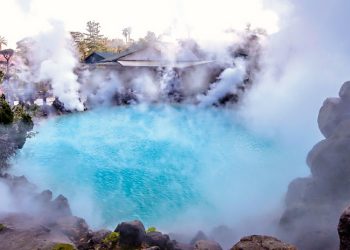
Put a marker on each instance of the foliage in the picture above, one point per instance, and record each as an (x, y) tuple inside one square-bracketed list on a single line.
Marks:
[(63, 246), (20, 114), (3, 41), (111, 239), (2, 227), (2, 75), (6, 114), (151, 230), (93, 38), (79, 41)]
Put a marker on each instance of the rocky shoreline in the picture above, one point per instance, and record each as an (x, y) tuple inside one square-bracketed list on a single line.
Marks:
[(49, 224)]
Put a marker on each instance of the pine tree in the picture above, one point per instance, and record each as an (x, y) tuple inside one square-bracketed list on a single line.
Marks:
[(94, 40)]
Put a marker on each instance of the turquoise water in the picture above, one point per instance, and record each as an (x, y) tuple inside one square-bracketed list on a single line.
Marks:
[(157, 164)]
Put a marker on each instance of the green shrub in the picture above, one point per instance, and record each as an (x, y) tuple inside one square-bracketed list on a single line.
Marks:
[(112, 238), (6, 114), (2, 76), (2, 227), (151, 230), (63, 246)]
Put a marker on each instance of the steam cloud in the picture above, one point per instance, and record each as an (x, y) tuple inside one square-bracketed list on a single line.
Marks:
[(304, 63)]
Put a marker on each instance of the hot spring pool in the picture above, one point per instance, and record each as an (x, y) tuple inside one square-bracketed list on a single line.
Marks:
[(160, 164)]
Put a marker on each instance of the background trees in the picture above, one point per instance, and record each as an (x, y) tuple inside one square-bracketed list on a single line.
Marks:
[(7, 54), (3, 41)]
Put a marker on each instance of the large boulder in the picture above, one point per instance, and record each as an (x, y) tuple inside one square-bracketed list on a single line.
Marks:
[(344, 230), (132, 233), (158, 239), (260, 242), (207, 245)]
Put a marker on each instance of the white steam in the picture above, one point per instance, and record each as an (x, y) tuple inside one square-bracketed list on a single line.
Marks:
[(227, 83)]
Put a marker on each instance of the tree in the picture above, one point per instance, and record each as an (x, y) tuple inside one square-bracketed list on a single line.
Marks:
[(3, 41), (6, 114), (151, 37), (94, 40), (126, 33), (80, 44), (7, 54)]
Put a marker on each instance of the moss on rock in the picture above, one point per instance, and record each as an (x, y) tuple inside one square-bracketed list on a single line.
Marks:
[(63, 246), (111, 238), (151, 230)]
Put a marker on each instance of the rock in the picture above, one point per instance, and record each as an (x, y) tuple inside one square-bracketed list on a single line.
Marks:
[(132, 233), (207, 245), (320, 240), (344, 230), (44, 197), (152, 248), (259, 242), (75, 228), (98, 236), (344, 91), (182, 246), (61, 206), (158, 239), (199, 236), (334, 111)]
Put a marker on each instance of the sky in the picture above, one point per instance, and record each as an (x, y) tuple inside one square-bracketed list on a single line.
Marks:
[(206, 20)]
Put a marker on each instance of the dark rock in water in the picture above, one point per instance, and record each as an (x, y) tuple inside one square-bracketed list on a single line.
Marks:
[(61, 206), (132, 233), (160, 240), (259, 242), (199, 236), (344, 230), (59, 106), (207, 245)]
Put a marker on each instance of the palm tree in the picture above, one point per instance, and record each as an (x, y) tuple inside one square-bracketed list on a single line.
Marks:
[(125, 33), (3, 41)]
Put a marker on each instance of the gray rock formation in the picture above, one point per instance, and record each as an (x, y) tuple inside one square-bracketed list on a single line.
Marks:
[(314, 204), (259, 242)]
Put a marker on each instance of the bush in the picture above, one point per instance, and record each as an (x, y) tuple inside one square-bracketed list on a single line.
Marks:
[(2, 76), (63, 246), (2, 227), (112, 238), (6, 114), (151, 230)]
